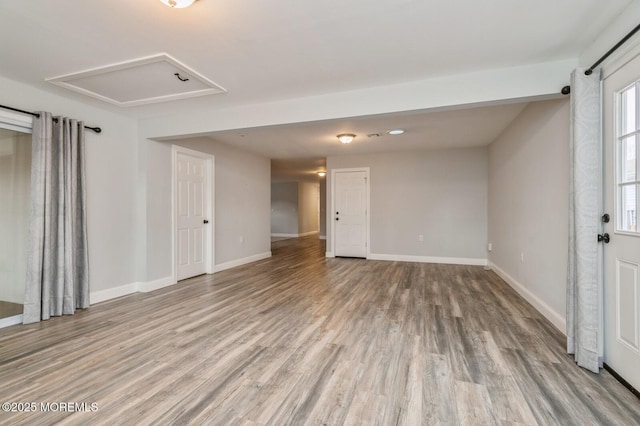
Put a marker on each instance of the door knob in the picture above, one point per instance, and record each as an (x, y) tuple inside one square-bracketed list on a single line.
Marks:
[(604, 237), (205, 221), (606, 218)]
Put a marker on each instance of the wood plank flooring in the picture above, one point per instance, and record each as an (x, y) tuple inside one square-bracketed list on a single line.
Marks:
[(298, 339)]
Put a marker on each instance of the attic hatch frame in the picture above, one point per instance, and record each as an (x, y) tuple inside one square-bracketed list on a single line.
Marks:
[(183, 73)]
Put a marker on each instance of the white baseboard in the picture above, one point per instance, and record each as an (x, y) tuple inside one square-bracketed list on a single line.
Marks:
[(304, 234), (6, 322), (156, 285), (428, 259), (244, 261), (112, 293), (124, 290), (322, 237), (144, 287), (329, 254), (556, 319)]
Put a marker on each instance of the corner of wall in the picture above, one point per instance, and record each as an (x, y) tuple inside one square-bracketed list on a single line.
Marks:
[(555, 318), (533, 265)]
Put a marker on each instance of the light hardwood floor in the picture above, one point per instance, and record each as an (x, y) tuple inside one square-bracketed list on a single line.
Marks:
[(299, 339)]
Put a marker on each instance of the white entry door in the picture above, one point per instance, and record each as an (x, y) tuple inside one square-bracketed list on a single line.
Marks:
[(192, 222), (350, 213), (621, 93)]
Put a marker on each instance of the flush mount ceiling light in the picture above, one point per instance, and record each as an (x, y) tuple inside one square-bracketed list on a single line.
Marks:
[(346, 137), (178, 4), (395, 132), (322, 174)]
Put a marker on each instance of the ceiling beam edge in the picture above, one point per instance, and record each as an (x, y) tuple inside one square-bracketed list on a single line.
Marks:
[(448, 92)]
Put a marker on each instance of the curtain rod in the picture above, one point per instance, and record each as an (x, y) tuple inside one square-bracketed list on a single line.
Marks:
[(567, 89), (613, 49), (35, 114)]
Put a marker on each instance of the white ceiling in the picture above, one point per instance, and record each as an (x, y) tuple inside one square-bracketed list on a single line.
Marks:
[(262, 51), (298, 150)]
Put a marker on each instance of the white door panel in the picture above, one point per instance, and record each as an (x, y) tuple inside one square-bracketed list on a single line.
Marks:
[(627, 303), (183, 247), (192, 203), (350, 214), (622, 254)]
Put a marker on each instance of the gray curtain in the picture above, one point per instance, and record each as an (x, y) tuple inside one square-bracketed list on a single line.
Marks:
[(57, 264), (583, 295)]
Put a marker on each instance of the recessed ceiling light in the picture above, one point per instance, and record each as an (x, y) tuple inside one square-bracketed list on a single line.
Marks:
[(373, 135), (346, 137), (322, 174), (395, 132)]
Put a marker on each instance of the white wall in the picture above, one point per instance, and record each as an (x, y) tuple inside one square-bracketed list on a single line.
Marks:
[(15, 180), (308, 207), (155, 190), (242, 203), (528, 205), (129, 196), (294, 208), (284, 208), (440, 194), (111, 160)]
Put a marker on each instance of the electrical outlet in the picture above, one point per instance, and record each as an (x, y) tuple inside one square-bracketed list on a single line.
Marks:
[(489, 247), (420, 237), (241, 239), (522, 256)]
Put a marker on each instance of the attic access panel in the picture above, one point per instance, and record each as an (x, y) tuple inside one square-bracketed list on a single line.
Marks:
[(141, 81)]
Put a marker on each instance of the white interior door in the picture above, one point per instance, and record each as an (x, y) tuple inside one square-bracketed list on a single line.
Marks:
[(621, 93), (350, 213), (192, 223)]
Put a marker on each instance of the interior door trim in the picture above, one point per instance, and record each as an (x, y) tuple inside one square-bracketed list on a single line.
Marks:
[(210, 200)]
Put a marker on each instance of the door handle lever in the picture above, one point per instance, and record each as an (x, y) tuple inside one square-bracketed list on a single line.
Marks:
[(604, 238)]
